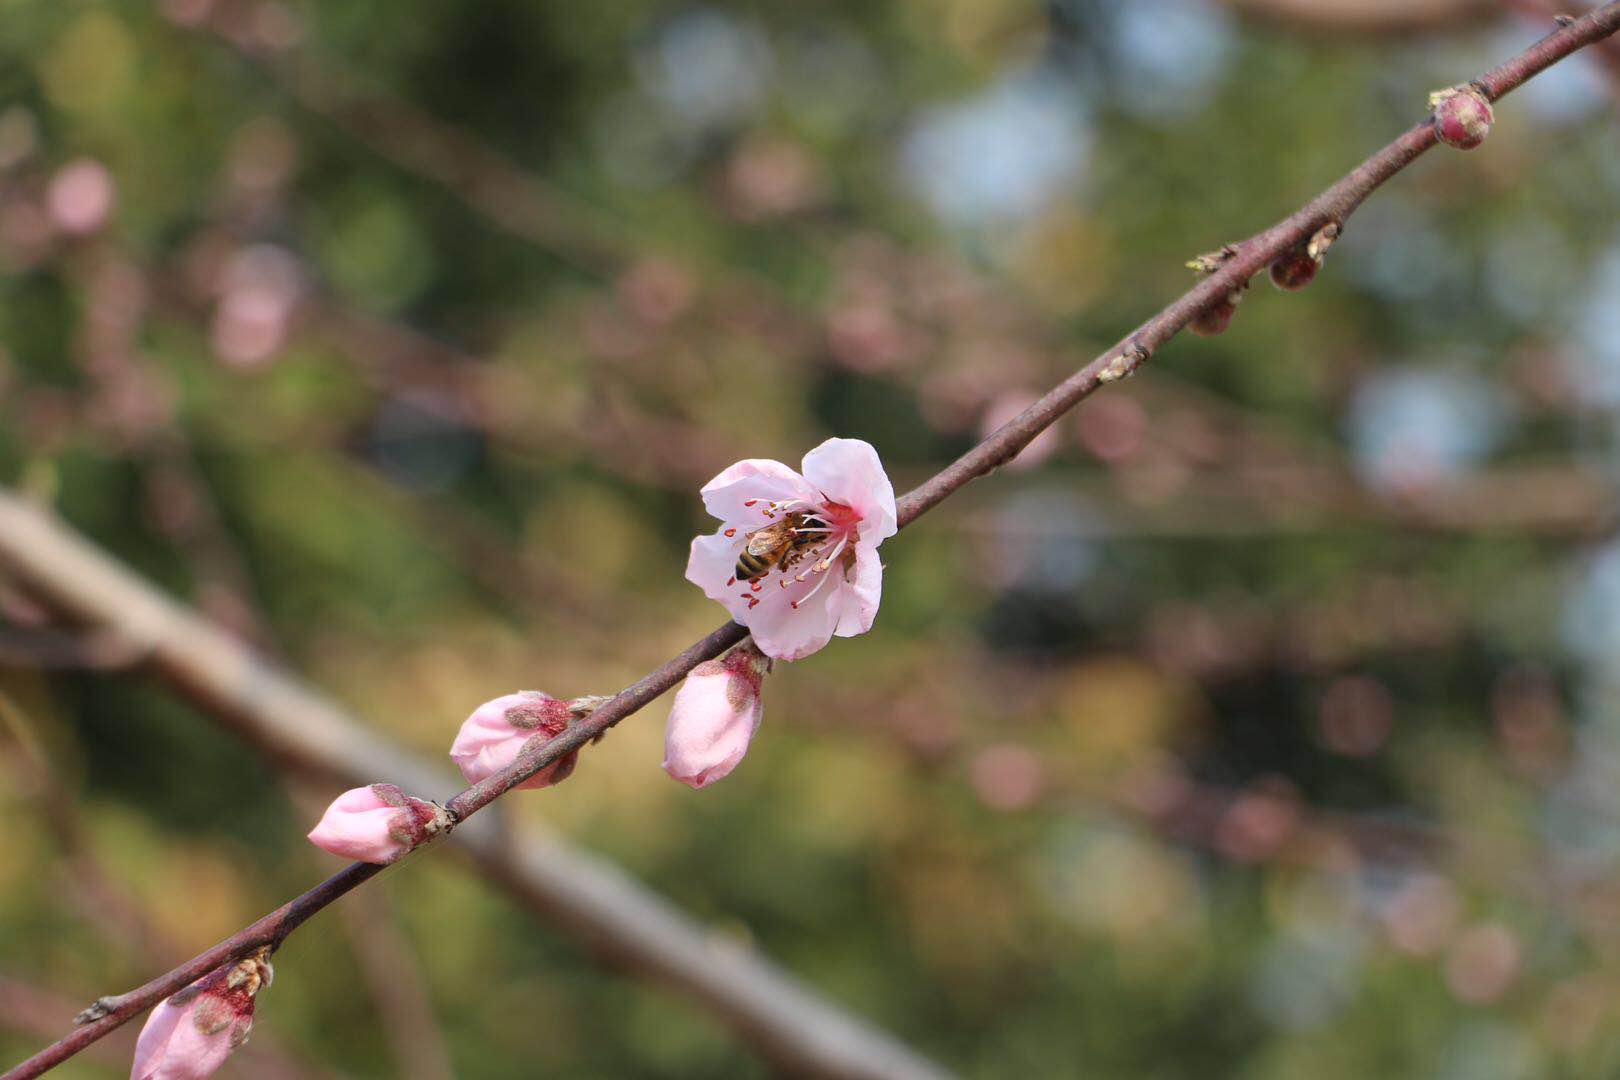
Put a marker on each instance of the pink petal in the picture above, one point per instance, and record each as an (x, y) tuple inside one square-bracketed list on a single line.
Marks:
[(358, 826), (171, 1048), (848, 471), (713, 562), (786, 633), (709, 728), (862, 592), (357, 801), (154, 1038), (754, 479), (488, 743), (191, 1055)]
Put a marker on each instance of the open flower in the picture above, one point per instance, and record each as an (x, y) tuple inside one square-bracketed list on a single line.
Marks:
[(491, 737), (189, 1035), (716, 712), (796, 558), (377, 824)]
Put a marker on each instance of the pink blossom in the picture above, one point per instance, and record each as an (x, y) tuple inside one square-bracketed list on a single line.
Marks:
[(491, 737), (81, 196), (716, 712), (828, 580), (250, 325), (377, 824), (189, 1035)]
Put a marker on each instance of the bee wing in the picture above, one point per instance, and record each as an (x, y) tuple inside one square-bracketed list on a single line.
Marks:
[(769, 539)]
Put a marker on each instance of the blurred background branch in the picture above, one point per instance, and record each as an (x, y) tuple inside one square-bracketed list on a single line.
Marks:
[(786, 1022)]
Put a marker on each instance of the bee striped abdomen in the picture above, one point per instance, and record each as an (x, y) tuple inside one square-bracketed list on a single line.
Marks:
[(779, 544), (751, 566)]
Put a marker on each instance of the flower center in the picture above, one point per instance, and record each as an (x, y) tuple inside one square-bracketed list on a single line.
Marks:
[(815, 538)]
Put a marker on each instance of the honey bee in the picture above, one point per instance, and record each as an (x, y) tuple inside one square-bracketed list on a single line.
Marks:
[(780, 544)]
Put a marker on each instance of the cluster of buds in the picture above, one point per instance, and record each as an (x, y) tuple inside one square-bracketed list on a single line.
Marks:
[(190, 1034), (1291, 271), (716, 712), (1462, 116), (495, 733), (378, 824)]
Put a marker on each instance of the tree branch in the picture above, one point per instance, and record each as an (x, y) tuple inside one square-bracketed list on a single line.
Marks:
[(1248, 258), (787, 1023), (1606, 53)]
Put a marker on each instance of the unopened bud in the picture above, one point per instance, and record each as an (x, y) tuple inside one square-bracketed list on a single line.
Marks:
[(491, 738), (378, 824), (1462, 116), (1218, 316), (716, 712), (1294, 269), (192, 1033)]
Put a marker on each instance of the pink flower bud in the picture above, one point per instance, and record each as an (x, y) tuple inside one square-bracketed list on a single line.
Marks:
[(378, 824), (1218, 316), (189, 1035), (1462, 116), (491, 737), (716, 712), (1294, 269)]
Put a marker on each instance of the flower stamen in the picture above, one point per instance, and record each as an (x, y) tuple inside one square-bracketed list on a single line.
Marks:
[(821, 568)]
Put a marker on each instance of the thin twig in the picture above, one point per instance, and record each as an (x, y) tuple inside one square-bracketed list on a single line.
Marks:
[(576, 894), (1606, 53), (1247, 259)]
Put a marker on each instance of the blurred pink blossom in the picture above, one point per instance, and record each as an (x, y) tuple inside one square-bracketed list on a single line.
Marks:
[(867, 335), (250, 325), (187, 12), (80, 197), (768, 178), (657, 291), (1422, 915), (261, 288), (1258, 824), (1111, 427), (1002, 409), (716, 712), (377, 824), (1482, 963), (822, 527), (1007, 776)]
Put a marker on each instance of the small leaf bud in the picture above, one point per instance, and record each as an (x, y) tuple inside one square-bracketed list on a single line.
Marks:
[(1218, 316)]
